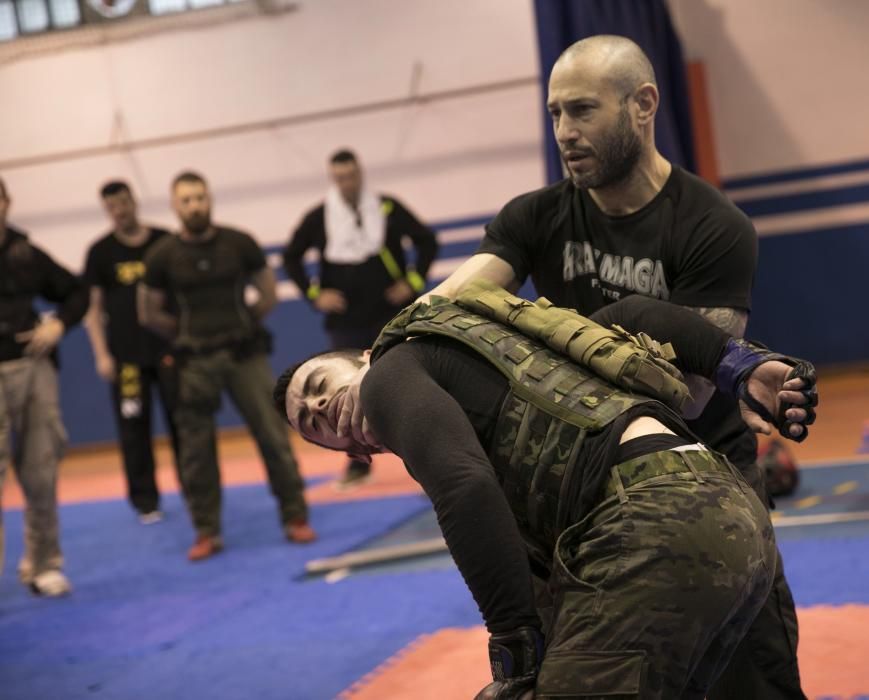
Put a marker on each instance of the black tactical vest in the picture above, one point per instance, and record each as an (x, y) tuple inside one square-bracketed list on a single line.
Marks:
[(552, 404)]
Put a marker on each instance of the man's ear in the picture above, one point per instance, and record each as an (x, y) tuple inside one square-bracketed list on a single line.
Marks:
[(366, 354), (647, 100)]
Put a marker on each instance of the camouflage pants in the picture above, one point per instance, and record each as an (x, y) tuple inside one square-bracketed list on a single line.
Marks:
[(653, 590), (202, 379), (32, 439)]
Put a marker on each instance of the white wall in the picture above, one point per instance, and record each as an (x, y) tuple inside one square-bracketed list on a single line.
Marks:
[(788, 79), (446, 157)]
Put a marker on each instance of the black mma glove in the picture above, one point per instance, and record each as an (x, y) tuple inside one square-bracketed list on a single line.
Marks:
[(515, 660), (741, 358)]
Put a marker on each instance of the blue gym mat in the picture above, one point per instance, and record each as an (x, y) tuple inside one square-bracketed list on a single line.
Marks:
[(144, 623)]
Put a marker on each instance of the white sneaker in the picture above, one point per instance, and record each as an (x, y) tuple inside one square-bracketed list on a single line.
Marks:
[(154, 516), (51, 584)]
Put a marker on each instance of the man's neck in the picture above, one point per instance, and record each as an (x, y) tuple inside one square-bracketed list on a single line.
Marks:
[(135, 236), (637, 190), (188, 237)]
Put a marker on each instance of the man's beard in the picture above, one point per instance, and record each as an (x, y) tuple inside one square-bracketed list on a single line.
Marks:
[(617, 154), (197, 224)]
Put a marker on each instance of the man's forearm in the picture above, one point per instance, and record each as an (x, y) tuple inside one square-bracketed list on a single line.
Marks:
[(480, 266), (697, 342), (162, 323), (266, 292), (93, 323)]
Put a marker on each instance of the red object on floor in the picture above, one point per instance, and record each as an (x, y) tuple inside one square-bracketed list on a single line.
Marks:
[(300, 532), (205, 546)]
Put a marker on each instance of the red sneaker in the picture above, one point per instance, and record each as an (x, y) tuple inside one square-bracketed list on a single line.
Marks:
[(204, 547), (299, 531)]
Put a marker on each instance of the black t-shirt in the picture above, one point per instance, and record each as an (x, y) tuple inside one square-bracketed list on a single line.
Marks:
[(207, 280), (116, 268), (690, 245)]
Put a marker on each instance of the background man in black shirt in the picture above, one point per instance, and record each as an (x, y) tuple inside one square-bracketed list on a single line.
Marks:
[(220, 344), (126, 354), (657, 572), (29, 402), (364, 277)]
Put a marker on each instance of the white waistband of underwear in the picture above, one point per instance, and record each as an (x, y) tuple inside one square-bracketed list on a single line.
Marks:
[(696, 447)]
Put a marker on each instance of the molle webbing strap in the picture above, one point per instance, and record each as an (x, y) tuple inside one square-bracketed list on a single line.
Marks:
[(635, 363)]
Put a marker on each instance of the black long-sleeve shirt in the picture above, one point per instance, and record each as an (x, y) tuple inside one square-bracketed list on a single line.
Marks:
[(363, 284), (26, 272), (434, 402)]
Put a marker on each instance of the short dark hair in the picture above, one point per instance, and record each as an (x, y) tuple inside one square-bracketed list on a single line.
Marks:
[(113, 187), (188, 176), (345, 155), (279, 393)]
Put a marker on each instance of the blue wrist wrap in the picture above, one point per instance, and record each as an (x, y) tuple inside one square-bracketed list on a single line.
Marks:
[(738, 359)]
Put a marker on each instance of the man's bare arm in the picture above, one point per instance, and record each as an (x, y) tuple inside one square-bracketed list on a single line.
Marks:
[(732, 321), (480, 266), (266, 286), (151, 309), (94, 323)]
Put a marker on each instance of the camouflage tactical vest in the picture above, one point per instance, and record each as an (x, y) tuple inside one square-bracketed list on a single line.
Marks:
[(553, 401)]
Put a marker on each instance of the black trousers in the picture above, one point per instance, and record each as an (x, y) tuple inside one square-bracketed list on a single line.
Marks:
[(764, 665), (363, 339), (132, 393)]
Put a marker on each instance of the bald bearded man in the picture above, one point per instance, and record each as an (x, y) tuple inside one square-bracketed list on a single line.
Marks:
[(625, 221)]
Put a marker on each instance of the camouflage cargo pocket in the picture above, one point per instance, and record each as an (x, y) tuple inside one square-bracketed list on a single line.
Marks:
[(587, 675), (589, 552)]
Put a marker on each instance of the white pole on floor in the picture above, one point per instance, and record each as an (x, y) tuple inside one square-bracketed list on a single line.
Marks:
[(376, 556)]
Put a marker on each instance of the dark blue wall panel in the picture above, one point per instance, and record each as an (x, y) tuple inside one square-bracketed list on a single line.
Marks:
[(811, 294)]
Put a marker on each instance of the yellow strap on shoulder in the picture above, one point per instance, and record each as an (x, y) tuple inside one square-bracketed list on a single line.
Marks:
[(389, 263), (415, 280)]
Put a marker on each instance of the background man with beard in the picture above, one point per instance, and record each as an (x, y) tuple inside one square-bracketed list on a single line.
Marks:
[(219, 343), (127, 355), (627, 221)]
